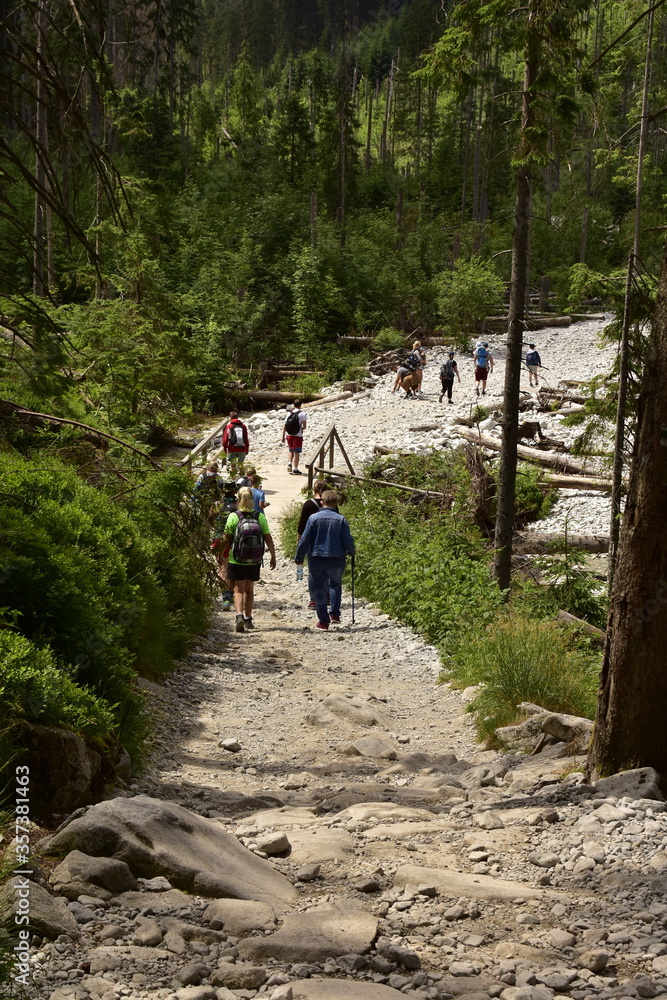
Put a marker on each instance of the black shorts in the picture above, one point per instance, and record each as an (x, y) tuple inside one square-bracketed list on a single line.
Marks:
[(236, 571)]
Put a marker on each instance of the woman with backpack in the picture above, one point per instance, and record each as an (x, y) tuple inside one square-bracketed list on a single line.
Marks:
[(246, 533)]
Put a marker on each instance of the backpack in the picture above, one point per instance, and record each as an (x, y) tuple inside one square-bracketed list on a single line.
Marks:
[(236, 439), (248, 546), (411, 363), (482, 357), (447, 369), (293, 424), (531, 358)]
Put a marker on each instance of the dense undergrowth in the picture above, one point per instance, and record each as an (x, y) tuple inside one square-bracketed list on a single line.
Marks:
[(98, 585), (427, 562)]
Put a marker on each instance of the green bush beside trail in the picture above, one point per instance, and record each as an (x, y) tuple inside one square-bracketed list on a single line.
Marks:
[(93, 592)]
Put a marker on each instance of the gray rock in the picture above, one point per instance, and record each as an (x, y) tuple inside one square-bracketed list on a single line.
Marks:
[(80, 872), (157, 884), (82, 914), (307, 873), (450, 882), (274, 843), (569, 729), (341, 989), (638, 783), (489, 820), (560, 938), (315, 935), (108, 958), (195, 993), (151, 902), (543, 859), (159, 838), (239, 976), (240, 916), (526, 993), (48, 916), (524, 736), (98, 985), (63, 769), (371, 746), (231, 744), (147, 933), (595, 960), (192, 974), (406, 957)]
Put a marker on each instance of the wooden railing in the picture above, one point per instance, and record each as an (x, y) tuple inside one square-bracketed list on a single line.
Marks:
[(326, 448), (204, 443)]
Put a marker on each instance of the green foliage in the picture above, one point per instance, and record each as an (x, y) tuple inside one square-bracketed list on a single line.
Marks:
[(110, 589), (33, 687), (467, 294), (388, 339), (517, 659), (565, 583)]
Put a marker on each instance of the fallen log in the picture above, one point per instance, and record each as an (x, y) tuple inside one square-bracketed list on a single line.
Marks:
[(274, 396), (530, 454), (577, 482), (354, 341), (92, 434), (596, 633), (542, 541), (564, 395), (326, 400)]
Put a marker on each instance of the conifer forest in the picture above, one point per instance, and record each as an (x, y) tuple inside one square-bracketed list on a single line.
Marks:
[(189, 188)]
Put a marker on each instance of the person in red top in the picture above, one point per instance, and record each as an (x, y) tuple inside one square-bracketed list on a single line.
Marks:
[(235, 442)]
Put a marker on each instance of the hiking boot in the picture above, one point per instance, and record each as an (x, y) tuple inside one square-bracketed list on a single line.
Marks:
[(240, 623), (226, 605), (477, 392), (449, 401), (484, 392), (311, 605), (289, 467), (336, 619), (440, 397), (323, 625), (297, 472), (248, 623)]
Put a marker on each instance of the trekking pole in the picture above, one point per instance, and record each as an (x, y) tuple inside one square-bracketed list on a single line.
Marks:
[(353, 589)]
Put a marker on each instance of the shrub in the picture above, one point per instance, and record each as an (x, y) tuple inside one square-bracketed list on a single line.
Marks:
[(388, 339), (111, 590), (33, 687), (521, 659), (466, 294)]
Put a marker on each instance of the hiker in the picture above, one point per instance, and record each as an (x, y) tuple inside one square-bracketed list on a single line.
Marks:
[(293, 428), (417, 357), (258, 495), (235, 442), (245, 479), (246, 534), (483, 359), (448, 369), (533, 362), (208, 489), (227, 506), (326, 541), (309, 507)]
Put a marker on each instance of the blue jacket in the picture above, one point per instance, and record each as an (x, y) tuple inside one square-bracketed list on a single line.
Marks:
[(327, 534)]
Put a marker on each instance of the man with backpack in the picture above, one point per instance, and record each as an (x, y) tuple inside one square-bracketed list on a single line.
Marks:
[(293, 428), (483, 359), (533, 362), (326, 541), (246, 533), (448, 369), (308, 508), (235, 442)]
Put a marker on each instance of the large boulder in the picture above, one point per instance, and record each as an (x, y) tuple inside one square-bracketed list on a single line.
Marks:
[(326, 931), (638, 783), (48, 916), (159, 838), (341, 989), (64, 771), (80, 874)]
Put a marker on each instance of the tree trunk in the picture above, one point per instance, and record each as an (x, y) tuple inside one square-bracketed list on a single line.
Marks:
[(632, 702), (518, 286), (39, 223), (624, 348)]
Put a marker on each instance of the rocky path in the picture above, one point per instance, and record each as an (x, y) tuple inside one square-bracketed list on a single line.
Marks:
[(317, 821)]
